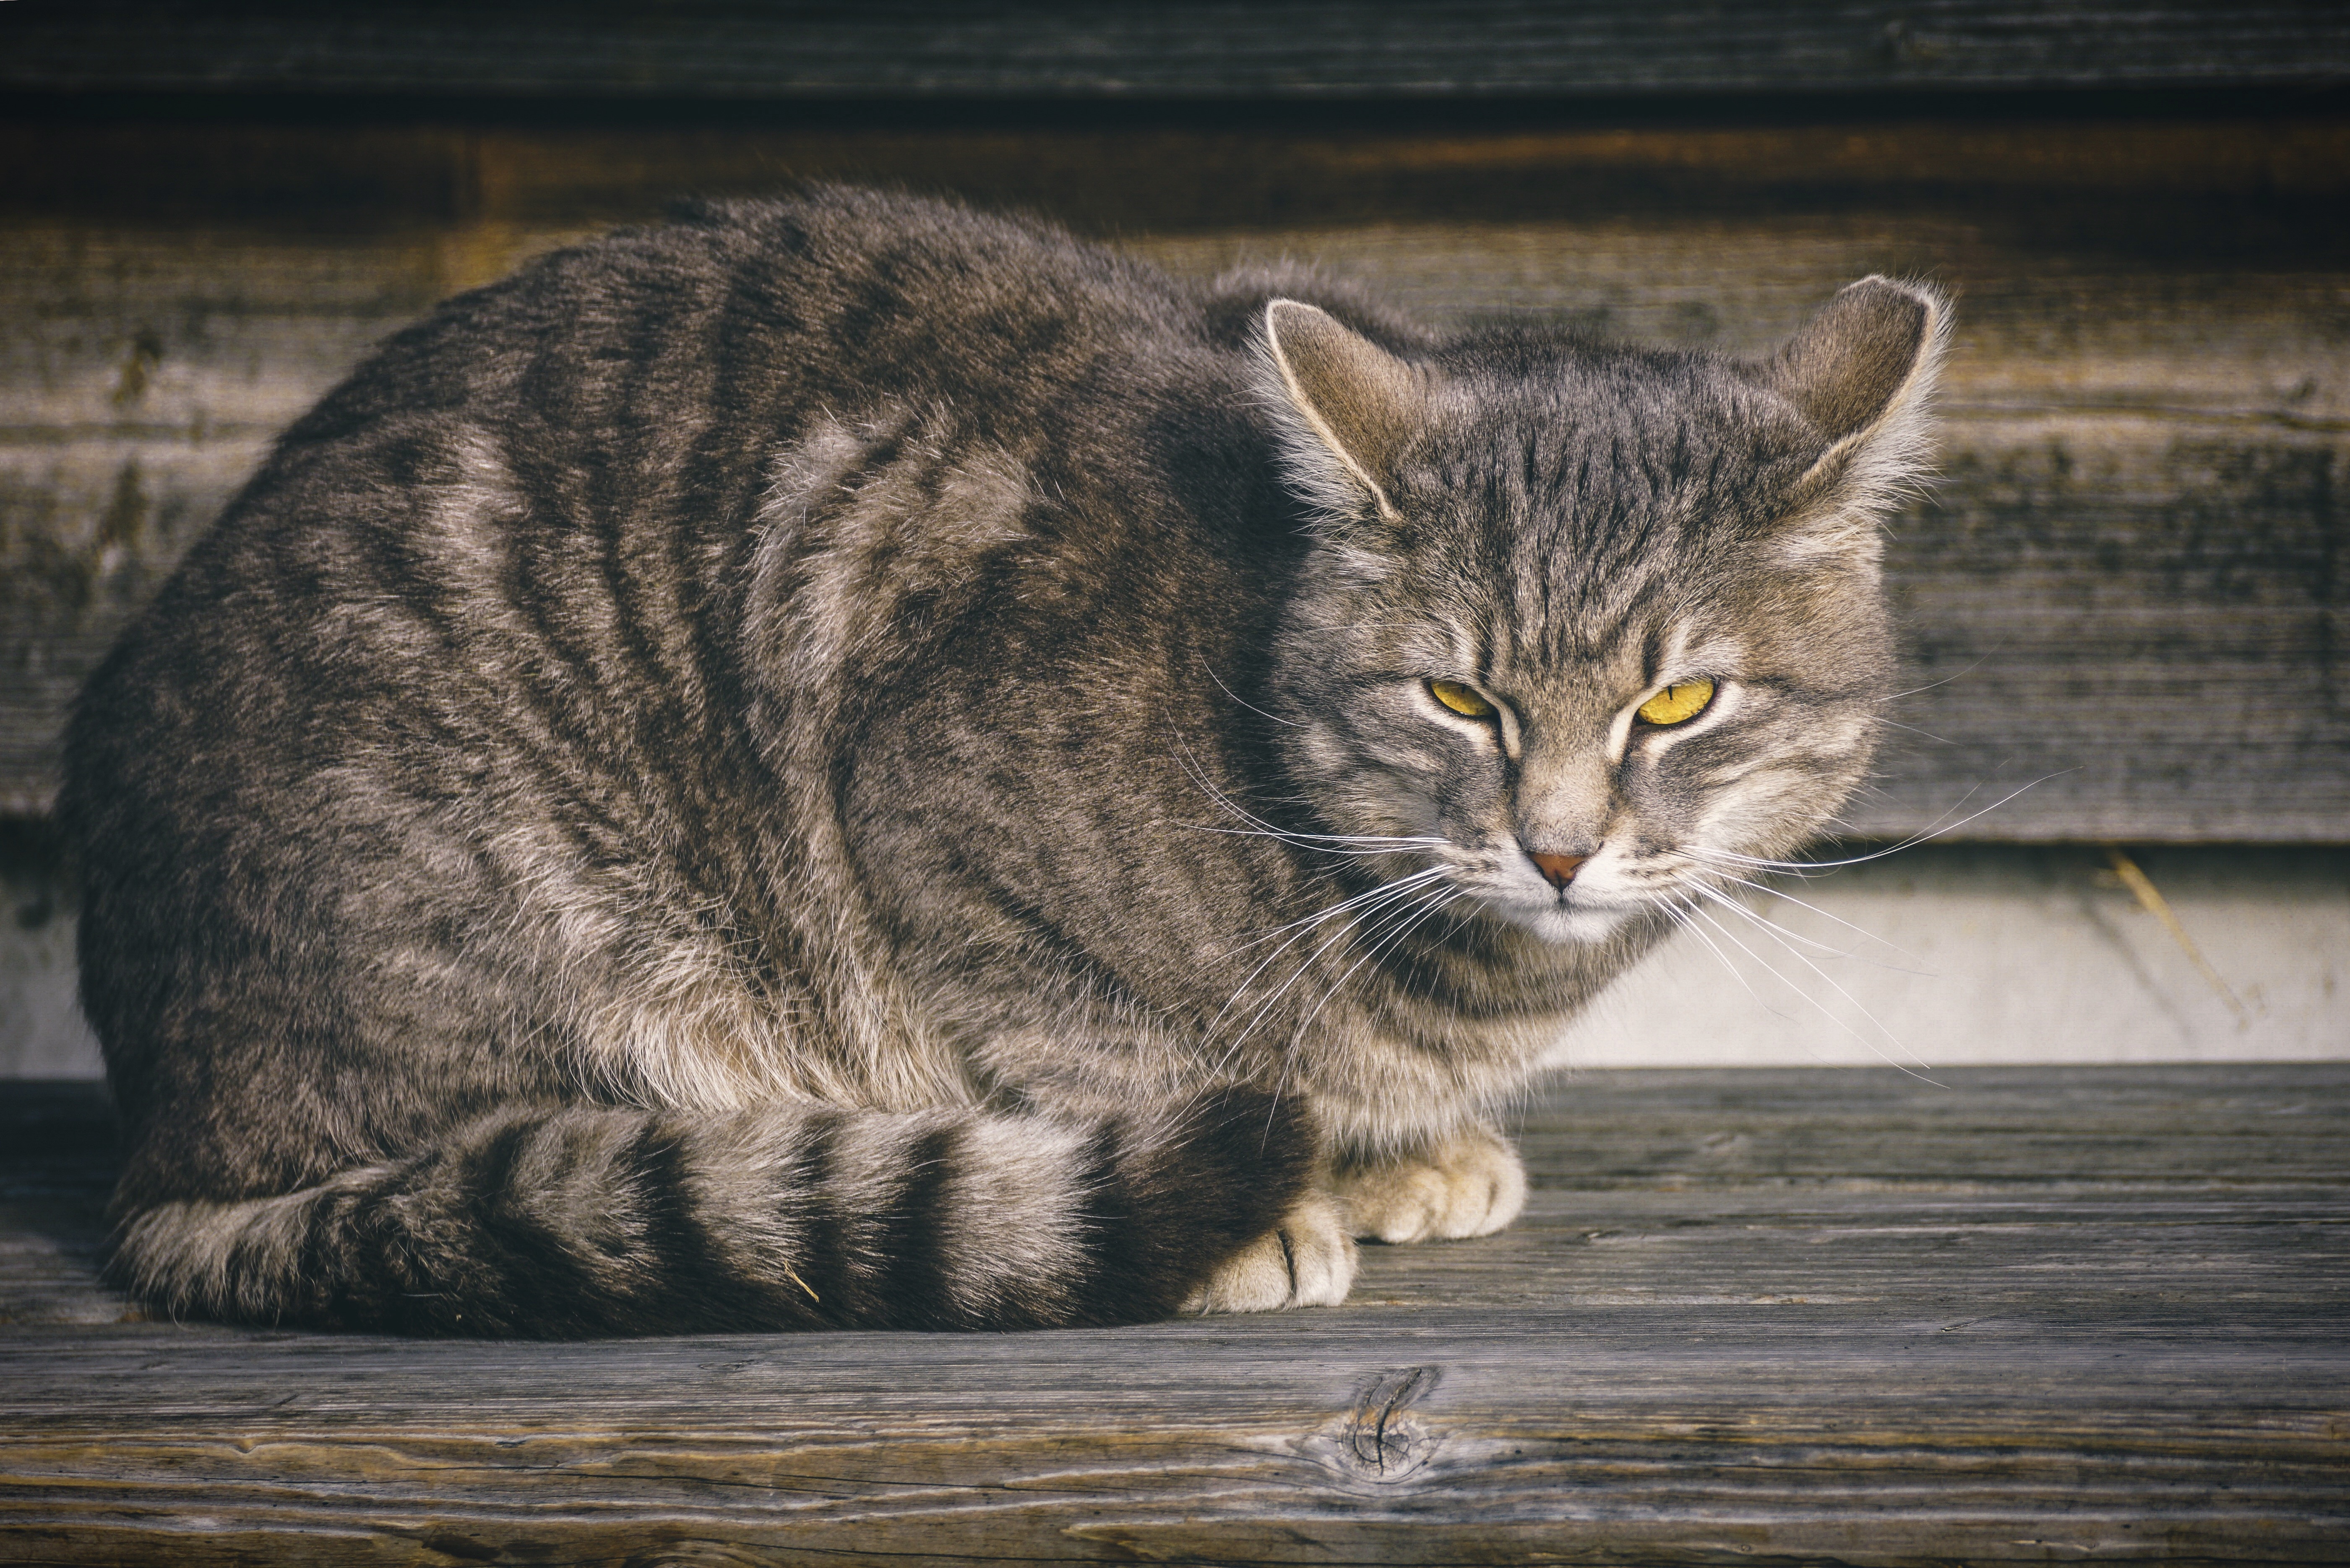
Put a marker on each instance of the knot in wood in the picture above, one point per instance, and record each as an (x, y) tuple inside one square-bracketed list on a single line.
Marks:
[(1380, 1441)]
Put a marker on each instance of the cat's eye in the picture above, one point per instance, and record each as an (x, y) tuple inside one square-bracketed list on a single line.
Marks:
[(1679, 702), (1462, 700)]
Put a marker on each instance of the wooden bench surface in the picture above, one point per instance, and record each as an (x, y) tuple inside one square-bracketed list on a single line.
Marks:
[(1802, 1317)]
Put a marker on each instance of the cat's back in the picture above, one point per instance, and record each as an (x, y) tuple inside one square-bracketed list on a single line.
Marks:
[(753, 312), (477, 646), (631, 389)]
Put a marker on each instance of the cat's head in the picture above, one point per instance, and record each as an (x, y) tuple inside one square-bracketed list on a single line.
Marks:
[(1591, 622)]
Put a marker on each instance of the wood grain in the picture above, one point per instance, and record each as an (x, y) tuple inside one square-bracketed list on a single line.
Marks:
[(1182, 49), (2123, 593), (1754, 1316)]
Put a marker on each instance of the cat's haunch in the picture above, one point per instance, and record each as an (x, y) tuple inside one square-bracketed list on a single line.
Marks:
[(847, 762)]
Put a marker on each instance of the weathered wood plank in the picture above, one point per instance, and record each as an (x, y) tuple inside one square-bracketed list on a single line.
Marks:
[(1937, 1440), (2123, 587), (1187, 175), (1757, 1180), (1195, 48), (1774, 1316)]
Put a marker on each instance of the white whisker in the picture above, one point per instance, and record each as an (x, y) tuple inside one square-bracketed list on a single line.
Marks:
[(1330, 842), (1945, 681), (1847, 925), (1340, 907), (1256, 826), (1827, 948), (1416, 913), (1361, 905), (1771, 970), (1683, 916), (1800, 866), (1799, 957), (1243, 701), (1896, 725)]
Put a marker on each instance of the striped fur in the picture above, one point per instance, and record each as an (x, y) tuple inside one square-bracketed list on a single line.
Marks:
[(845, 762), (531, 1222)]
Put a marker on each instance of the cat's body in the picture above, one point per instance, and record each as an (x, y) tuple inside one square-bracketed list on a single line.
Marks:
[(795, 768)]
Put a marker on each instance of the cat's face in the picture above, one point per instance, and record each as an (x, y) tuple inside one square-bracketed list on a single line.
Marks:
[(1605, 627)]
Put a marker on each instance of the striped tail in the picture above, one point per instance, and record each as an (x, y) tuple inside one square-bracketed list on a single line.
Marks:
[(588, 1221)]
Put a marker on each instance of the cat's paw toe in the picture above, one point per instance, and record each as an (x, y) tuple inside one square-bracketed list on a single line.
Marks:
[(1471, 1184), (1307, 1261)]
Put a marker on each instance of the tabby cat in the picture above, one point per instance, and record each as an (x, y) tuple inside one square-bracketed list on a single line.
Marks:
[(847, 762)]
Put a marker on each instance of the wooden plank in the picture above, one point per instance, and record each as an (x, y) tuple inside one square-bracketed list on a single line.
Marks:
[(1608, 1444), (2280, 172), (2123, 587), (1186, 49), (1774, 1316)]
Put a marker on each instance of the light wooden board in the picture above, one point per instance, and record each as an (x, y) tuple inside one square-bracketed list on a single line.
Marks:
[(2123, 593), (2033, 1315)]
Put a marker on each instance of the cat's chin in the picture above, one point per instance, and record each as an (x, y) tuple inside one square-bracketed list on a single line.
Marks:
[(1564, 924)]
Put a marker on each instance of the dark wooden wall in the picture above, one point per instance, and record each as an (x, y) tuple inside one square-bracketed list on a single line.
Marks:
[(2128, 585)]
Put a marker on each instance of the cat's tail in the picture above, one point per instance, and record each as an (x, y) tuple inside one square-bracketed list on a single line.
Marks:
[(588, 1221)]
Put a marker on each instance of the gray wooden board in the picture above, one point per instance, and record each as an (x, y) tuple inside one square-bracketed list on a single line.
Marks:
[(1181, 49), (1800, 1316), (2124, 591)]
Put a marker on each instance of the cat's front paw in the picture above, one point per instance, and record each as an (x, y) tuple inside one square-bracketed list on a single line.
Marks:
[(1471, 1184), (1308, 1260)]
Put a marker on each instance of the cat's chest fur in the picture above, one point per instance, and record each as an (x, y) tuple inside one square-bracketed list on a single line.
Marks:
[(849, 761)]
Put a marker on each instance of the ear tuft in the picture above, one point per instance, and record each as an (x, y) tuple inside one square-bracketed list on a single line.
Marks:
[(1348, 406)]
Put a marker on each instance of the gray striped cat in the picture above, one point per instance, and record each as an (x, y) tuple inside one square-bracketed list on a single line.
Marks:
[(849, 762)]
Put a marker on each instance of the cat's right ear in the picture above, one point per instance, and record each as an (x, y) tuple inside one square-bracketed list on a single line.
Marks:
[(1863, 371), (1351, 408)]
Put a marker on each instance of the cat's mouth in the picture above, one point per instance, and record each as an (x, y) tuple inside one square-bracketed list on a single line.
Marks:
[(1579, 908), (1565, 921), (1554, 891)]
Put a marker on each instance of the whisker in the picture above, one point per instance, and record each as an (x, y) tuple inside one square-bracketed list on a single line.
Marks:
[(1251, 707), (1365, 903), (1392, 893), (1801, 958), (1258, 825), (1847, 925), (1683, 916), (1770, 968), (1332, 843), (1340, 907), (1356, 625), (1828, 950), (1888, 724), (1945, 681), (1416, 913), (1207, 786), (1909, 842)]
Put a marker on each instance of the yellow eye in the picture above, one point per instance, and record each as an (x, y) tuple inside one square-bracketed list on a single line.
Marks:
[(1461, 699), (1678, 703)]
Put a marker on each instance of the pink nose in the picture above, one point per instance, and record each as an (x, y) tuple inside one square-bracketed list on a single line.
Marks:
[(1559, 870)]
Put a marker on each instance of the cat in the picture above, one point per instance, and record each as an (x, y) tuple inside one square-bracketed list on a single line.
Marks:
[(849, 761)]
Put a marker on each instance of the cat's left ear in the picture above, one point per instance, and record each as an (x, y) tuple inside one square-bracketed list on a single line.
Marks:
[(1863, 372), (1352, 407)]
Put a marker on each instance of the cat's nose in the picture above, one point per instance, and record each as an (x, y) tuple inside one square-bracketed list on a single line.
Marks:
[(1558, 869)]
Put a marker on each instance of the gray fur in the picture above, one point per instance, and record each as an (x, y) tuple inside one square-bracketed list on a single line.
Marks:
[(806, 766)]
